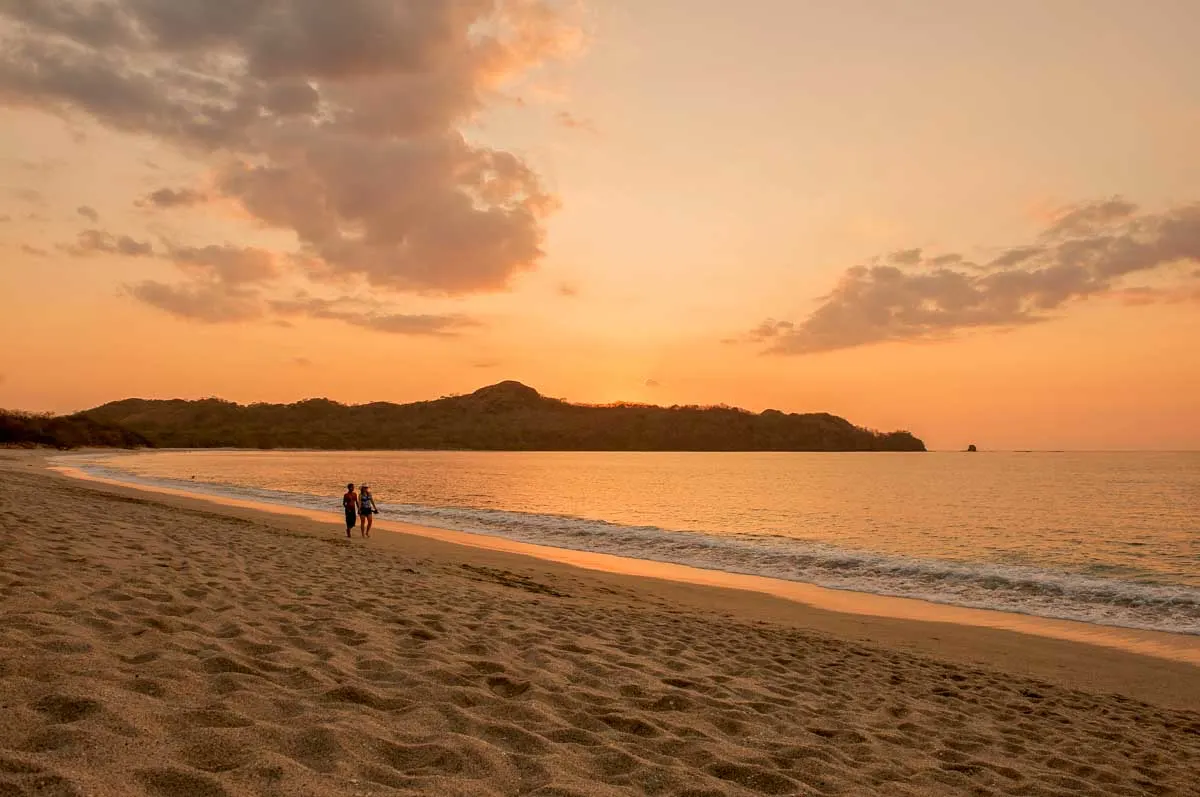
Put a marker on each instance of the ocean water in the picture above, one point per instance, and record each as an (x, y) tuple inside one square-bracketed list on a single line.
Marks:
[(1112, 539)]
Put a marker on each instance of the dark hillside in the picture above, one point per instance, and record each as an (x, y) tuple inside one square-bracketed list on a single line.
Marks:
[(506, 416), (64, 431)]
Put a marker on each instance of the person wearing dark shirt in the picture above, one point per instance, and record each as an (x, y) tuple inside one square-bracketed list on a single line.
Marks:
[(350, 504)]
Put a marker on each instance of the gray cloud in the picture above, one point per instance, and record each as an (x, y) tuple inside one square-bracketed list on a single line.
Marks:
[(771, 329), (950, 259), (174, 198), (409, 229), (402, 324), (60, 75), (207, 302), (296, 98), (338, 121), (34, 250), (1089, 217), (653, 383), (1143, 295), (93, 242), (1085, 252), (88, 213), (228, 265), (573, 122), (906, 257), (1015, 256), (223, 284), (370, 315), (99, 24)]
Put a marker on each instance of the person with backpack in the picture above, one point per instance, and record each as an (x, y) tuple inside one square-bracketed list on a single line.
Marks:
[(350, 503)]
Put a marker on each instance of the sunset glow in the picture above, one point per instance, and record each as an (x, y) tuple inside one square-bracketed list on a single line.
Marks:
[(976, 221)]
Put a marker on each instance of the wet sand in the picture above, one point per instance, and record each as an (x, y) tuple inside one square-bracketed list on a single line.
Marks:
[(163, 645)]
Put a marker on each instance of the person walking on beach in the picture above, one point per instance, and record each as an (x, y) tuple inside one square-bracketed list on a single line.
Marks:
[(367, 510), (350, 504)]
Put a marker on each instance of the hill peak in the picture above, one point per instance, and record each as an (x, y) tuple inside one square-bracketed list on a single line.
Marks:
[(508, 390)]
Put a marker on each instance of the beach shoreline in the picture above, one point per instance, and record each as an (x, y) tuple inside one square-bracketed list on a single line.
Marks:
[(166, 644), (1173, 646)]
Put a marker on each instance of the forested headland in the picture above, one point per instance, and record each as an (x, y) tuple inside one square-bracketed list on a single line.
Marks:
[(27, 429), (505, 416)]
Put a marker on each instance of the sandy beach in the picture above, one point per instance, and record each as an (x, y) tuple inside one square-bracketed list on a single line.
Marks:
[(163, 645)]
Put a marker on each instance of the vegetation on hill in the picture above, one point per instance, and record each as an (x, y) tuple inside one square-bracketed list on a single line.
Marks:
[(64, 431), (506, 416)]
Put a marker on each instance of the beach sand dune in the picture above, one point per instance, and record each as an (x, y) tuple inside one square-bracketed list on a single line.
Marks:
[(165, 650)]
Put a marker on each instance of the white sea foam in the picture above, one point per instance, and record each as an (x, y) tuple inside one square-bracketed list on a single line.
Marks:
[(984, 585)]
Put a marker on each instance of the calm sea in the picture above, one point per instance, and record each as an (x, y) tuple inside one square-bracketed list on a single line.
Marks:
[(1102, 538)]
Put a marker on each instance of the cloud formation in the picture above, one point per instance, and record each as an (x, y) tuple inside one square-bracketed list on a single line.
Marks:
[(339, 121), (226, 264), (208, 302), (369, 314), (99, 242), (1089, 218), (31, 196), (231, 284), (173, 198), (1088, 250), (223, 283), (203, 301), (1140, 295), (573, 122), (88, 213)]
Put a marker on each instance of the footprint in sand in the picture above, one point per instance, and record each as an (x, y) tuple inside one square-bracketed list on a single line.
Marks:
[(506, 687), (64, 709), (167, 782), (215, 751)]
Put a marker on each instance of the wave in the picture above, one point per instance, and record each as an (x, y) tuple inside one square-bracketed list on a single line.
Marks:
[(982, 585)]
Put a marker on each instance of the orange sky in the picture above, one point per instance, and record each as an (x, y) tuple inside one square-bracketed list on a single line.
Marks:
[(976, 221)]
